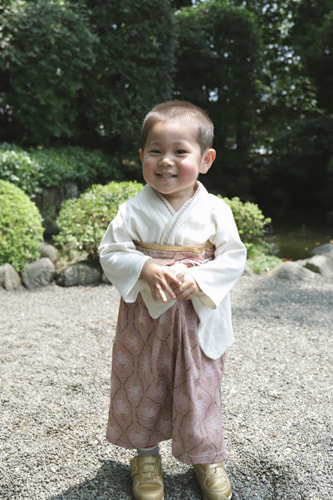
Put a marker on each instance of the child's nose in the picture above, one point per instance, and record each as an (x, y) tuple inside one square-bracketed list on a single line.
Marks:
[(166, 160)]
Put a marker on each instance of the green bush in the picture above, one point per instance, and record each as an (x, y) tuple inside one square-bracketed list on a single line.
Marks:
[(20, 168), (251, 224), (263, 263), (82, 222), (33, 169), (73, 163), (21, 230)]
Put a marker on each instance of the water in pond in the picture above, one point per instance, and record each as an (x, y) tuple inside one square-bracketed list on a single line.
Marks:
[(297, 243)]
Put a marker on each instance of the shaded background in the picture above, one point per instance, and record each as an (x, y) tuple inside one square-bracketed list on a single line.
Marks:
[(84, 73)]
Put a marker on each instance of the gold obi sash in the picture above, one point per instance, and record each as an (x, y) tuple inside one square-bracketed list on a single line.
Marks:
[(187, 255)]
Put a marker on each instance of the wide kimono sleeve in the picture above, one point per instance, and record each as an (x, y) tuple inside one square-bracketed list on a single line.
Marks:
[(217, 277), (120, 261)]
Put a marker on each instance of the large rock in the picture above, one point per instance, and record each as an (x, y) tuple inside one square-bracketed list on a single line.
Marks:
[(9, 278), (49, 203), (324, 250), (292, 271), (49, 251), (79, 274), (38, 274), (320, 264)]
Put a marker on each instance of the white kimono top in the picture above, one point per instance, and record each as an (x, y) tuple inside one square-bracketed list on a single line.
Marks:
[(149, 218)]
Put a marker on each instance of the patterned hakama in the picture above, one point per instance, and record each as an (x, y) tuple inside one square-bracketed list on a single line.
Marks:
[(163, 386)]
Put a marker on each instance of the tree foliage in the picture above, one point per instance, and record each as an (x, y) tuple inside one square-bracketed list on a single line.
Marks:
[(295, 110), (47, 50), (285, 88), (217, 59), (300, 173), (84, 70), (133, 67), (312, 37), (218, 55)]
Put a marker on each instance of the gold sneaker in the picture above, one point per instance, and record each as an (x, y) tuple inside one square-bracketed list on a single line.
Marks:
[(146, 472), (214, 482)]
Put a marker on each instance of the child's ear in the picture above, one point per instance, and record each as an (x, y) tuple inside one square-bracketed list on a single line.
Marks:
[(141, 154), (207, 160)]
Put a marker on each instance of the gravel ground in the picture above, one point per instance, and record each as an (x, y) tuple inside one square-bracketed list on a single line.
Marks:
[(55, 365)]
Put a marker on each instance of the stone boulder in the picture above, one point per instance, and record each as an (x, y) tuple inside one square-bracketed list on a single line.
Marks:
[(49, 251), (49, 203), (9, 278), (324, 250), (292, 271), (320, 264), (39, 273), (79, 274)]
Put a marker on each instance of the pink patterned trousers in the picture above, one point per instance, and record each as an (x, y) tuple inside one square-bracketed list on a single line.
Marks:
[(163, 386)]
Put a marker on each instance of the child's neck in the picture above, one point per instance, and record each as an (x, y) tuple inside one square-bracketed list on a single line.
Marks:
[(177, 202)]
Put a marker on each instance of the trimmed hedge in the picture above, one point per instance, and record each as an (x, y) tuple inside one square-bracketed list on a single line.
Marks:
[(82, 222), (21, 230), (251, 224)]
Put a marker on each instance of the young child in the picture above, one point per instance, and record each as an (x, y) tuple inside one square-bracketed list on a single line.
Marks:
[(174, 253)]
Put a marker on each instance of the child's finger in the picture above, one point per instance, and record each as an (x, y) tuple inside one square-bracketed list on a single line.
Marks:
[(173, 279), (162, 294), (167, 288)]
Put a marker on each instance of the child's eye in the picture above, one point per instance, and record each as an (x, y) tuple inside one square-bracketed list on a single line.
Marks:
[(155, 151), (180, 152)]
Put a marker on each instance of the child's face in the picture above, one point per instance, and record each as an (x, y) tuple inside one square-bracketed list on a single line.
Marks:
[(172, 160)]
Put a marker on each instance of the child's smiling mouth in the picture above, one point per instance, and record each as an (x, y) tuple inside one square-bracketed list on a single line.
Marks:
[(166, 176)]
